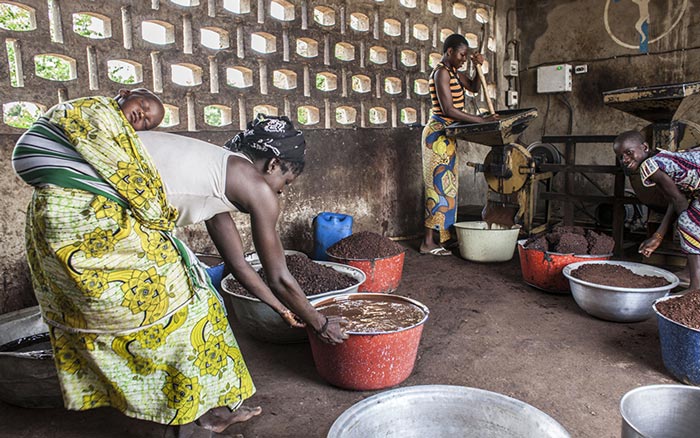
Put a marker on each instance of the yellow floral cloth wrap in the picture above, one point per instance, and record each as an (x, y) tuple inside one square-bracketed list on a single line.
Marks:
[(130, 324)]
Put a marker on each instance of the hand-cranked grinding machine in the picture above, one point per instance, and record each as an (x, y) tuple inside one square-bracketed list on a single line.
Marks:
[(509, 168)]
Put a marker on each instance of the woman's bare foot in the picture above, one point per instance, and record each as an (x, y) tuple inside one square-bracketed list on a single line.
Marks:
[(218, 419)]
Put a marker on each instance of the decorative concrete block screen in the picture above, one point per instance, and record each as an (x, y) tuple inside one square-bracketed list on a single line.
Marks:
[(215, 63)]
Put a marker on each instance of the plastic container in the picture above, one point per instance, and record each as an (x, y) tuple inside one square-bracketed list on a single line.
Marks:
[(329, 228), (543, 269), (264, 324), (383, 274), (215, 268), (680, 347), (478, 243), (368, 361)]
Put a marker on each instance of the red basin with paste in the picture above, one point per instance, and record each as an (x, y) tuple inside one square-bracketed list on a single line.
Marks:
[(383, 274), (543, 269), (369, 361)]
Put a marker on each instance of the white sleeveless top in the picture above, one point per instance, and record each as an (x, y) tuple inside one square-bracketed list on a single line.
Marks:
[(193, 173)]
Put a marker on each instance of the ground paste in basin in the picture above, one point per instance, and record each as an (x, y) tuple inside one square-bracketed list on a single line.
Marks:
[(370, 316)]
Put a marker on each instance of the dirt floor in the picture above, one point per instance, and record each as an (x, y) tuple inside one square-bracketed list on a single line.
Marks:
[(487, 329)]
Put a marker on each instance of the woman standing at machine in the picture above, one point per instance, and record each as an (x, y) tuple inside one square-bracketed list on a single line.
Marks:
[(440, 168)]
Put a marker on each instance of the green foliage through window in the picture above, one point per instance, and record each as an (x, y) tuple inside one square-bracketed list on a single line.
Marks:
[(21, 114), (15, 18), (11, 60), (52, 67), (83, 25), (213, 116), (121, 74), (302, 116)]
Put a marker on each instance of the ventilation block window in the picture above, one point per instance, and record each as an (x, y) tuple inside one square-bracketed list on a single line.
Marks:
[(284, 79), (420, 87), (421, 32), (324, 16), (16, 17), (345, 115), (214, 38), (308, 115), (378, 55), (326, 81), (409, 58), (92, 25), (459, 10), (158, 32), (217, 115), (307, 47), (237, 6), (377, 115), (392, 27), (55, 67), (263, 42), (171, 117), (361, 84), (359, 22), (187, 75), (124, 71), (265, 109), (187, 3), (345, 51), (408, 116), (239, 77), (282, 10), (392, 85), (21, 114)]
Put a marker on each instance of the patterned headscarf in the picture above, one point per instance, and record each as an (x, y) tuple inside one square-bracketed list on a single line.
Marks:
[(270, 137)]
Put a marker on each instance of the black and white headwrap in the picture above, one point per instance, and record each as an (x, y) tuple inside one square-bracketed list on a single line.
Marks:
[(270, 137)]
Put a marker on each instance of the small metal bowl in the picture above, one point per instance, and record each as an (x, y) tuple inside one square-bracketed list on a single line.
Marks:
[(264, 324), (619, 304)]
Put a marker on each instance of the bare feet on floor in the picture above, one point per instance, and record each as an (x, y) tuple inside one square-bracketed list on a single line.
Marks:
[(218, 419)]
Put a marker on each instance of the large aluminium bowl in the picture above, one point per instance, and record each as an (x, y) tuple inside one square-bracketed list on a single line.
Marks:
[(27, 369), (619, 304), (668, 411), (264, 324), (444, 411)]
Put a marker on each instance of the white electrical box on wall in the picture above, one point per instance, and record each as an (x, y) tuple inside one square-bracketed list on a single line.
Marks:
[(554, 78)]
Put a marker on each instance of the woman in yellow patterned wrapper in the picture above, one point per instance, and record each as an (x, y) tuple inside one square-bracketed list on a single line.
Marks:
[(440, 166), (133, 320)]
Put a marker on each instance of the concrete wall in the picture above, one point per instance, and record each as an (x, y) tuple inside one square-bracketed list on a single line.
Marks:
[(365, 167), (602, 35)]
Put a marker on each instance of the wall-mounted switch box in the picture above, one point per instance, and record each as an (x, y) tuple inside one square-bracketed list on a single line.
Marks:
[(510, 68), (554, 78), (511, 98)]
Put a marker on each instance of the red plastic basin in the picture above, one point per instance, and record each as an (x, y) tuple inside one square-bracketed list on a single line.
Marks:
[(543, 269), (368, 361), (383, 275)]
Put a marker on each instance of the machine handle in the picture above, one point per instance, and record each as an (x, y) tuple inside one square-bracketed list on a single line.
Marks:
[(482, 79), (478, 167)]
